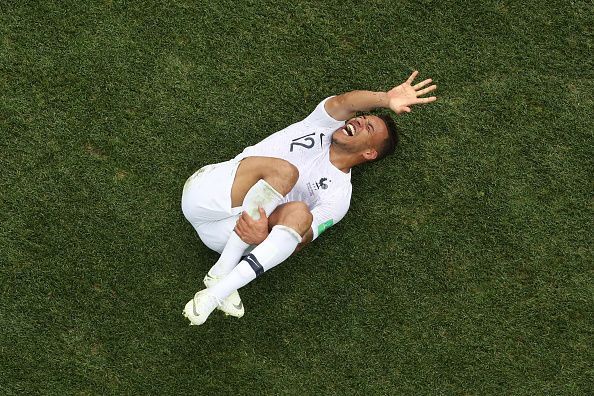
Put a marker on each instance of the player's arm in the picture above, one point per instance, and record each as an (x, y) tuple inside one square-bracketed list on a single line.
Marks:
[(399, 99)]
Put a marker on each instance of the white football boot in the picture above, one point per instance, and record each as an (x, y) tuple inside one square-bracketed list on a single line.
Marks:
[(231, 305), (198, 308)]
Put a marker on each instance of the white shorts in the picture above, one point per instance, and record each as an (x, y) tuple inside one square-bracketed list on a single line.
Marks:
[(206, 203)]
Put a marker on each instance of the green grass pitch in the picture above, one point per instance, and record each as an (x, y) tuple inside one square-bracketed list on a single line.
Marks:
[(464, 267)]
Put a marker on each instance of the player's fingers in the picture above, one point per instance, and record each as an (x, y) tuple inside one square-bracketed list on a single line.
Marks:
[(422, 84), (426, 100), (412, 77), (246, 218), (241, 222), (262, 213), (426, 90)]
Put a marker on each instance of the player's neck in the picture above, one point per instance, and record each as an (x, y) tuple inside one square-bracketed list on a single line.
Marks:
[(343, 160)]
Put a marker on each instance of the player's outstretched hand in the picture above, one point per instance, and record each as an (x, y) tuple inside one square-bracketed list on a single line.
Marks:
[(252, 231), (406, 95)]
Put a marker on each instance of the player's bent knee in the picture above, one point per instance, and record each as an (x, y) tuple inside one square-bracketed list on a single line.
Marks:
[(302, 211), (296, 215)]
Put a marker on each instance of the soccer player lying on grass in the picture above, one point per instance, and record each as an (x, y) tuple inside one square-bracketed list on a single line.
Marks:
[(283, 192)]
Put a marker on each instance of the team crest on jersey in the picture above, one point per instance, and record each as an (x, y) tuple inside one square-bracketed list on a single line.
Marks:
[(322, 184)]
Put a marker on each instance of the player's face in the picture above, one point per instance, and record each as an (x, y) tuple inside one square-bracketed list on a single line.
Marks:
[(361, 134)]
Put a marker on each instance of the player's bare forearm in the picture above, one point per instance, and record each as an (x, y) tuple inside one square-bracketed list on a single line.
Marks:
[(345, 106), (399, 99)]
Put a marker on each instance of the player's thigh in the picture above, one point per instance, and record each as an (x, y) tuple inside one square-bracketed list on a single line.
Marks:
[(207, 194), (279, 173)]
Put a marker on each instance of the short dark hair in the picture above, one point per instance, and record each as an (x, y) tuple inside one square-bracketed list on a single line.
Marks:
[(388, 145)]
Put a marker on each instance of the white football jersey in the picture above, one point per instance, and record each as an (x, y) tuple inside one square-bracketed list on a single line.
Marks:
[(306, 144)]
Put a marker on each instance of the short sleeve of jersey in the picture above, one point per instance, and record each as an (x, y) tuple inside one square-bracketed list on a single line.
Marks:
[(320, 117), (330, 211)]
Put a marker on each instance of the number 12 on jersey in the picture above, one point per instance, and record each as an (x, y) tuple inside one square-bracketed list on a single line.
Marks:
[(306, 141)]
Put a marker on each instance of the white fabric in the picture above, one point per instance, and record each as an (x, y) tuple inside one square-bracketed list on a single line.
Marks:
[(232, 252), (206, 203), (240, 276), (306, 144), (276, 248), (259, 195)]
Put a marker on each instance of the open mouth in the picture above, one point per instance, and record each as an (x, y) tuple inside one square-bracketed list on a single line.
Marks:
[(349, 130)]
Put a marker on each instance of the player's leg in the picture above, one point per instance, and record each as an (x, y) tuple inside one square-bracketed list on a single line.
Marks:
[(259, 182), (283, 215), (206, 204), (294, 220)]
